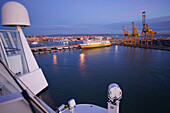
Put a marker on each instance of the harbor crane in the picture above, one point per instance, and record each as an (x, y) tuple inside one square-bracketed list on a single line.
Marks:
[(126, 40), (135, 35), (148, 33), (134, 38)]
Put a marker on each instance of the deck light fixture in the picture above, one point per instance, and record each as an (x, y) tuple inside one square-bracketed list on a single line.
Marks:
[(114, 95)]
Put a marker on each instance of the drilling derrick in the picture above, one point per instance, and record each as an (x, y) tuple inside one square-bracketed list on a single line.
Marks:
[(147, 34)]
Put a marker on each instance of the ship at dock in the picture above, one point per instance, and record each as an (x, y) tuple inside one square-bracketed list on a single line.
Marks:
[(96, 42)]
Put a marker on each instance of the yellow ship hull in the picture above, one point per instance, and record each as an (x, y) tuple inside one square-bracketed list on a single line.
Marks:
[(88, 46)]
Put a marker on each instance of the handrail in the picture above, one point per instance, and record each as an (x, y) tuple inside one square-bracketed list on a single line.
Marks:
[(8, 30), (13, 50)]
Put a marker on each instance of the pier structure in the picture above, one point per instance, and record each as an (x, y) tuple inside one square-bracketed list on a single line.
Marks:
[(49, 49), (135, 39)]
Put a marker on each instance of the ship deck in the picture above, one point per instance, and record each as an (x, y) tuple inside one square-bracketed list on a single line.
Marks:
[(87, 108)]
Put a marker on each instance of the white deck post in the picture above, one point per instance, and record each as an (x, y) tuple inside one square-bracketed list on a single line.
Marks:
[(30, 60), (113, 107)]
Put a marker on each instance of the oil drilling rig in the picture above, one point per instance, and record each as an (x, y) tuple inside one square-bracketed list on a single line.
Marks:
[(135, 39)]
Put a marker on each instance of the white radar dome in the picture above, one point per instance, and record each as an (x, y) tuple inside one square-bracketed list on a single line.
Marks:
[(14, 14)]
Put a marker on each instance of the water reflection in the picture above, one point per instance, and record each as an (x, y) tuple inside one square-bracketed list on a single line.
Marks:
[(130, 67), (116, 49), (82, 66), (54, 59), (96, 51), (82, 59), (48, 99)]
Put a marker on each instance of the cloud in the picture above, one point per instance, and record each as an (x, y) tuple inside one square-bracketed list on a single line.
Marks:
[(50, 26), (159, 24), (134, 12), (66, 27), (164, 32), (156, 24)]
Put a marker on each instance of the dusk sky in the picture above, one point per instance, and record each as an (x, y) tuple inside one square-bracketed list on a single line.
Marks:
[(94, 16)]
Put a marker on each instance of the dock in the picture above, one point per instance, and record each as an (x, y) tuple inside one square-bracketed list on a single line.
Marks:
[(49, 49)]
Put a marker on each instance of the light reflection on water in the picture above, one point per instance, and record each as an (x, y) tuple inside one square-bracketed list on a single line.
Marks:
[(116, 48), (54, 59), (82, 59), (143, 75), (82, 66)]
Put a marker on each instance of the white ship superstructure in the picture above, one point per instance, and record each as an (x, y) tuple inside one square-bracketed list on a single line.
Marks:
[(100, 42)]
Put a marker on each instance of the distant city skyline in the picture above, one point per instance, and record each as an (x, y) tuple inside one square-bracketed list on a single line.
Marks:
[(49, 17)]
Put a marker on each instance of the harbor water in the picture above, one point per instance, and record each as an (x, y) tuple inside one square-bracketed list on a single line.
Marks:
[(142, 74)]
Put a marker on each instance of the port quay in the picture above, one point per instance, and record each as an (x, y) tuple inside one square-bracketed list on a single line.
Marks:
[(158, 43), (63, 39)]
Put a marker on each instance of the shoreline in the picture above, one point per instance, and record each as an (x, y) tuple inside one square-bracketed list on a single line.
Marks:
[(49, 49)]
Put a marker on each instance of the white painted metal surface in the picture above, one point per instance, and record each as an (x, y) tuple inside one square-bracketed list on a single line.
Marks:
[(13, 60), (113, 108), (11, 95), (31, 62), (114, 95), (72, 105), (3, 53), (35, 81), (35, 75), (114, 92), (87, 108), (14, 103), (13, 14)]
